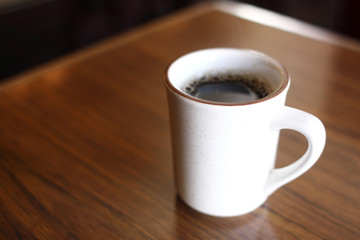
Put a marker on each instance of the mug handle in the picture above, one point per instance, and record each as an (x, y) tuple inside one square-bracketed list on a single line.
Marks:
[(314, 131)]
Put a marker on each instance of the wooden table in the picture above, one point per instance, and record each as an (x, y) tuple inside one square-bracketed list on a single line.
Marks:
[(85, 142)]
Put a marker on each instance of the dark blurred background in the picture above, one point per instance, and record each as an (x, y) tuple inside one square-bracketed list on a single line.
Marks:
[(35, 31)]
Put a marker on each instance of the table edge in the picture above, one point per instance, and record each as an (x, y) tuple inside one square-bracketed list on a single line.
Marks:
[(106, 44), (285, 23), (240, 10)]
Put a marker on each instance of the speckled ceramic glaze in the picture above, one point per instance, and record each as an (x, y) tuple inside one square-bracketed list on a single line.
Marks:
[(224, 153)]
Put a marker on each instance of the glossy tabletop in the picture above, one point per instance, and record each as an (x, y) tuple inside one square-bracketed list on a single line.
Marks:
[(85, 147)]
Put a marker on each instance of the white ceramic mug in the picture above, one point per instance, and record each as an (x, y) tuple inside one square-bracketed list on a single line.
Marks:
[(224, 153)]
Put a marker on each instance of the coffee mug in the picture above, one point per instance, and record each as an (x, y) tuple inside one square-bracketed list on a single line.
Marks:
[(224, 151)]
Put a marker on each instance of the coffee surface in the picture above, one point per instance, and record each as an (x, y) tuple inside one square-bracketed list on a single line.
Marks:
[(229, 88)]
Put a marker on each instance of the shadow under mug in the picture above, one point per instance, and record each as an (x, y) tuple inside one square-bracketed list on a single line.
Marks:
[(224, 153)]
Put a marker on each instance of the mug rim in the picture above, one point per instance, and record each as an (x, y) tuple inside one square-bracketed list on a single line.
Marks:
[(278, 91)]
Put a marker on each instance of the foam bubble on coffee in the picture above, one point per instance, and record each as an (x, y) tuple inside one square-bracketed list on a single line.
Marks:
[(229, 87)]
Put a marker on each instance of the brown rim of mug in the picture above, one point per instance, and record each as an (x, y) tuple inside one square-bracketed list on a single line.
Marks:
[(285, 82)]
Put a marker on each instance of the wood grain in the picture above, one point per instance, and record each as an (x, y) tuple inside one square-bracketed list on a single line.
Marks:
[(85, 143)]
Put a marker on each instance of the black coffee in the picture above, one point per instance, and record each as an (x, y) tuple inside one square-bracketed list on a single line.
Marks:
[(229, 88)]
